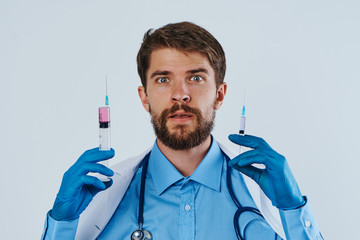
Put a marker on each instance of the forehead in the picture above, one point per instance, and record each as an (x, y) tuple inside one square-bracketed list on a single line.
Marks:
[(176, 61)]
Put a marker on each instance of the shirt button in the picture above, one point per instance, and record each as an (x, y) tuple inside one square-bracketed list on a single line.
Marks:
[(187, 207), (307, 223)]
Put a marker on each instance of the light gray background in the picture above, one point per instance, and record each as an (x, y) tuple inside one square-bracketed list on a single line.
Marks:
[(298, 60)]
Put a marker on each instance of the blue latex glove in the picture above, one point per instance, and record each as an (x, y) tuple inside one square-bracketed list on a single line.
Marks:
[(276, 180), (78, 189)]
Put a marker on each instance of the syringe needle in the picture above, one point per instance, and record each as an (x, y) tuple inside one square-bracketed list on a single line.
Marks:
[(244, 95), (106, 97), (106, 84)]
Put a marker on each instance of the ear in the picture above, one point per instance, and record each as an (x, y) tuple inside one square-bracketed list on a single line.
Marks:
[(144, 98), (220, 95)]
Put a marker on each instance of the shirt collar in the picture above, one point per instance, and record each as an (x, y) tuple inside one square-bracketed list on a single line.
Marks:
[(208, 173)]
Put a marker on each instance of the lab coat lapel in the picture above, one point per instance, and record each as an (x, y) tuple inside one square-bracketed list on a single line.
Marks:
[(100, 210)]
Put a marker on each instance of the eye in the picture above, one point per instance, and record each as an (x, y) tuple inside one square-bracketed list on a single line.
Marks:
[(196, 78), (163, 80)]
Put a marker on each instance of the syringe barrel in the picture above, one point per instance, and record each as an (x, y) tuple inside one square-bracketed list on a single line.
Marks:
[(242, 125), (104, 136), (104, 139), (104, 128)]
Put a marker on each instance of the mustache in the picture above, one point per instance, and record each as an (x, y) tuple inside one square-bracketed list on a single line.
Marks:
[(183, 106), (177, 106)]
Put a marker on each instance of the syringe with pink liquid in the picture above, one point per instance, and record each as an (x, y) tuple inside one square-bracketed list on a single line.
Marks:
[(104, 131)]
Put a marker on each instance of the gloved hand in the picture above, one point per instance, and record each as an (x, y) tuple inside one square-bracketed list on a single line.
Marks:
[(276, 180), (78, 189)]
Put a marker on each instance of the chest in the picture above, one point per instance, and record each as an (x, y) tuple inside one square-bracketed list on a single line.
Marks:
[(186, 210)]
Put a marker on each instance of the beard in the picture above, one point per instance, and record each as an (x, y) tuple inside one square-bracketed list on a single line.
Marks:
[(182, 138)]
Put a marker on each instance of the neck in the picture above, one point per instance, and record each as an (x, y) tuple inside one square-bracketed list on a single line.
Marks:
[(186, 161)]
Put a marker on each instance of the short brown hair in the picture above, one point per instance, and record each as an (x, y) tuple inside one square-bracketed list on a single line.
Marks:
[(183, 36)]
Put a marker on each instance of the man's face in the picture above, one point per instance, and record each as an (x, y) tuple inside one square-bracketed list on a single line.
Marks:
[(181, 96)]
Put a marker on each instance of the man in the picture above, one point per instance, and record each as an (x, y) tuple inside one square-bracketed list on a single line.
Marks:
[(186, 187)]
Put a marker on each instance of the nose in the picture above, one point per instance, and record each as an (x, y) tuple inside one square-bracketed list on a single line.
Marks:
[(180, 92)]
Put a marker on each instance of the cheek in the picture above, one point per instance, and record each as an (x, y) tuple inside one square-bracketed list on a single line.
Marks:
[(207, 107), (156, 104), (205, 98)]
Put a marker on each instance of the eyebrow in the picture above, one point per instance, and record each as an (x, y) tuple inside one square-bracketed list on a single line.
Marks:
[(203, 70), (193, 71), (159, 73)]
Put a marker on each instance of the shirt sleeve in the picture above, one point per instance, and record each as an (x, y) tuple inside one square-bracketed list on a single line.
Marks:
[(300, 223), (59, 229)]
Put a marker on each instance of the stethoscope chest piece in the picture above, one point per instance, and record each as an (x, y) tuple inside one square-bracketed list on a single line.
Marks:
[(147, 235), (141, 234), (137, 235)]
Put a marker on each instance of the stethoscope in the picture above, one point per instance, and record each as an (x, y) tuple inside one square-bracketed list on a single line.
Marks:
[(142, 234)]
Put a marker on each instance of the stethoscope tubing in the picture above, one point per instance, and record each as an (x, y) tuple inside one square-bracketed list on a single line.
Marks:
[(241, 209), (140, 233), (142, 190)]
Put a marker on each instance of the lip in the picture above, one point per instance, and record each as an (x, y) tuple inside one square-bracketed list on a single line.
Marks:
[(180, 116)]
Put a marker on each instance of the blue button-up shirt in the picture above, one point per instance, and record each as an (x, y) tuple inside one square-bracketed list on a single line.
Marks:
[(194, 207), (186, 208)]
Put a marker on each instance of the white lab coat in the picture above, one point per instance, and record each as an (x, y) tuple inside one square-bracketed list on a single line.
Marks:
[(96, 216)]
